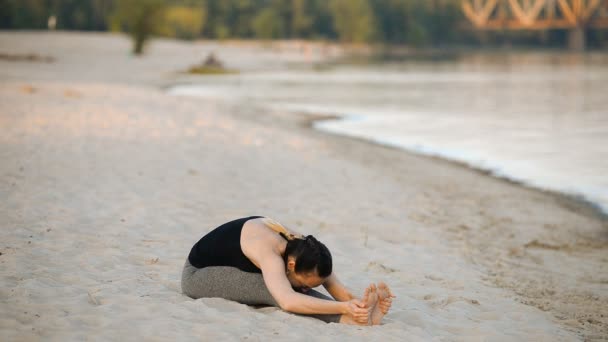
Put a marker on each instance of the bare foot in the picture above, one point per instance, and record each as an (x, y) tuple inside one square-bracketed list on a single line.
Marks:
[(370, 298), (385, 299), (345, 319)]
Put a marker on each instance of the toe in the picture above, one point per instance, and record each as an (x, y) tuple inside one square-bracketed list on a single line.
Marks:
[(365, 295)]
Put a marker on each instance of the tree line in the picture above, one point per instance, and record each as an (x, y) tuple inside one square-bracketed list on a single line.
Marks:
[(391, 22)]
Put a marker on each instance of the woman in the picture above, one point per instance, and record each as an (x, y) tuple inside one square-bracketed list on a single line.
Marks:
[(246, 261)]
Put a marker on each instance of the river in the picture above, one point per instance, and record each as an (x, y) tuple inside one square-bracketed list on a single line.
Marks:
[(536, 118)]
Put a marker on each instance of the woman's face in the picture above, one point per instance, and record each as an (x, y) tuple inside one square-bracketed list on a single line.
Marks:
[(303, 282)]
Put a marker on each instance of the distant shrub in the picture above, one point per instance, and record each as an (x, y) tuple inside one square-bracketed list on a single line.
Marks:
[(203, 70), (210, 66)]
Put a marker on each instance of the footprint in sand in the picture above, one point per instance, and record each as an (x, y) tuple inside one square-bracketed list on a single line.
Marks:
[(443, 302), (433, 277), (376, 266)]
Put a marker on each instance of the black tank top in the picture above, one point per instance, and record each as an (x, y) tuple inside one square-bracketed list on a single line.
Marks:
[(222, 247)]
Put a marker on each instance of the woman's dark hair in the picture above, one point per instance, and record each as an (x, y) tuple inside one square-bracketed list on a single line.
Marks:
[(309, 254)]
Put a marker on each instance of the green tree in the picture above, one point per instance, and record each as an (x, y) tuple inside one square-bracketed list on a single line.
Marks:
[(392, 20), (81, 15), (322, 20), (416, 30), (183, 22), (417, 22), (217, 15), (284, 10), (267, 24), (301, 23), (23, 14), (353, 20), (241, 17), (141, 19)]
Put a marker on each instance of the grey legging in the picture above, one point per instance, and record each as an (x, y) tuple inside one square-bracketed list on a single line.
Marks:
[(236, 285)]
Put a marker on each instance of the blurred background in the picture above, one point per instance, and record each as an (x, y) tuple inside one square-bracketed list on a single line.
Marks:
[(570, 24)]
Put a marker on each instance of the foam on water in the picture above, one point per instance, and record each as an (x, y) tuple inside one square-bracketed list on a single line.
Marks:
[(545, 125)]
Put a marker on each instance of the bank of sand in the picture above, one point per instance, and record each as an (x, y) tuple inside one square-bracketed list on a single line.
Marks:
[(106, 182)]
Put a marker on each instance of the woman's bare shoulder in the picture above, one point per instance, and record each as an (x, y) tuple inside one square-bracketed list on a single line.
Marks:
[(255, 228), (257, 237), (260, 243)]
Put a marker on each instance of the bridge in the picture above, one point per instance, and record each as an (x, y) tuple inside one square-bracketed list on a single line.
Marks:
[(574, 15)]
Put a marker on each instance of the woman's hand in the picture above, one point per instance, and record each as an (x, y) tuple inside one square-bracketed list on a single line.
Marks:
[(358, 311)]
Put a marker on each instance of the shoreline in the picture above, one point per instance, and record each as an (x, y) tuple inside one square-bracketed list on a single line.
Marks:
[(573, 201), (109, 180), (578, 202)]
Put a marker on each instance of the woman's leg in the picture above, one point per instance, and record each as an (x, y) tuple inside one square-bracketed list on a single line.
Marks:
[(236, 285), (225, 282)]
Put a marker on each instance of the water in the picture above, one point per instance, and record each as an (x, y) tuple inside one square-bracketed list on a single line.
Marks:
[(538, 119)]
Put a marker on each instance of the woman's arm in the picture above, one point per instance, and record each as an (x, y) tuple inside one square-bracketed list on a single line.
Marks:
[(337, 290), (273, 270)]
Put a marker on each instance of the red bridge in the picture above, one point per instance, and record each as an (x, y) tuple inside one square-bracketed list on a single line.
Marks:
[(576, 15)]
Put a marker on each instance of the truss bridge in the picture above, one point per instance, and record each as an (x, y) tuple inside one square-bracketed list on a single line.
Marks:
[(574, 15)]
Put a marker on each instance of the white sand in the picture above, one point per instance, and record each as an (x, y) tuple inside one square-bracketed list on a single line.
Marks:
[(106, 182)]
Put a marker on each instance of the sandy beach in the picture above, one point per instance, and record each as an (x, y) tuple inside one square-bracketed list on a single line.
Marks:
[(106, 183)]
